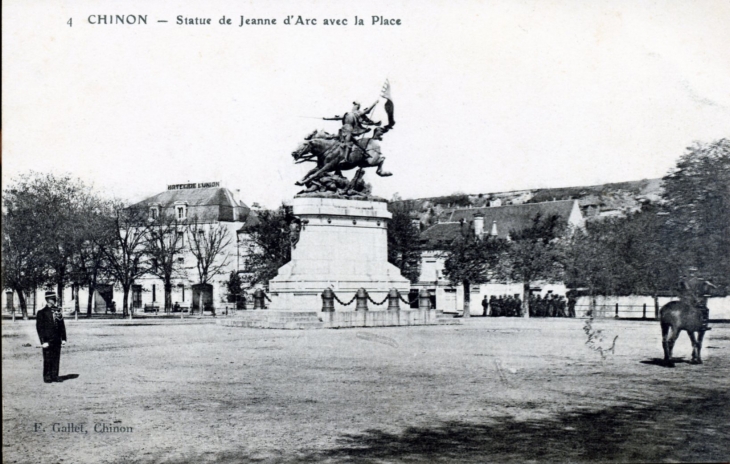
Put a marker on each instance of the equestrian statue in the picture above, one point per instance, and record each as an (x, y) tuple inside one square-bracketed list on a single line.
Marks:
[(348, 149)]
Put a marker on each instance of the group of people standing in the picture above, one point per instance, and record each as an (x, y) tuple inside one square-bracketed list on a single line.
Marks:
[(552, 305), (504, 305), (511, 306)]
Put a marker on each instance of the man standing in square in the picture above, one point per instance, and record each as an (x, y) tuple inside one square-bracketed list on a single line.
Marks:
[(52, 334)]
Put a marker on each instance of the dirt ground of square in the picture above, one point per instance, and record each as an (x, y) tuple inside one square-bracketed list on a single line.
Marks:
[(491, 390)]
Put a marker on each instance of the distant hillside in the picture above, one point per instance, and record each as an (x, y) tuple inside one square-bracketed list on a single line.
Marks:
[(596, 201)]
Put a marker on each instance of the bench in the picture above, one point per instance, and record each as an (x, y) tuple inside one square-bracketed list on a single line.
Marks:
[(151, 308)]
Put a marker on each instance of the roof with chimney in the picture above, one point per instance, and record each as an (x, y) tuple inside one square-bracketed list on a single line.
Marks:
[(500, 220), (212, 204)]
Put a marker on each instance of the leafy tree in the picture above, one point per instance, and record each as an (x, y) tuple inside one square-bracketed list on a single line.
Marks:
[(165, 239), (126, 255), (469, 260), (590, 260), (269, 245), (234, 285), (46, 210), (534, 254), (22, 262), (92, 234), (404, 243), (208, 244), (697, 193)]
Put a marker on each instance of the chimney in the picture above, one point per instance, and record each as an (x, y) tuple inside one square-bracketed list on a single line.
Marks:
[(493, 232), (478, 225)]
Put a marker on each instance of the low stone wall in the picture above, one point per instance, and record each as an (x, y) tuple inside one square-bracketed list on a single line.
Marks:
[(341, 319), (268, 319)]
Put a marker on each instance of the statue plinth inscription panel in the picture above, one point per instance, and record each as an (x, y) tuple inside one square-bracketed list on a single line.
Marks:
[(343, 245)]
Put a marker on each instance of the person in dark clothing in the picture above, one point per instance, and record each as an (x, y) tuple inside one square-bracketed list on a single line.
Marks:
[(561, 306), (493, 306), (694, 292), (52, 334), (539, 306), (485, 306), (571, 304)]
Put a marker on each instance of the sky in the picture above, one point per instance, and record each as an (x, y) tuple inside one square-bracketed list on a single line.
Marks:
[(489, 95)]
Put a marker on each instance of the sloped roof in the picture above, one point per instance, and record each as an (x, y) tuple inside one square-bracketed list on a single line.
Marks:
[(213, 196), (207, 204), (508, 219), (444, 232)]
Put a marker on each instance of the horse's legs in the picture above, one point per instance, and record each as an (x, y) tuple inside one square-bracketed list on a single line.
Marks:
[(700, 337), (665, 346), (668, 342), (319, 172), (695, 350), (380, 171)]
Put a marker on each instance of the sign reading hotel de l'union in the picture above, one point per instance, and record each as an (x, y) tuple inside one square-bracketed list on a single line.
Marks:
[(199, 185)]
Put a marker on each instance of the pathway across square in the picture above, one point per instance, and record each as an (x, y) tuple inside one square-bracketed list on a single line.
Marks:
[(499, 390)]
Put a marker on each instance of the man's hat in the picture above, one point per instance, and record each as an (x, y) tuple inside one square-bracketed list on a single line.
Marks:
[(51, 294)]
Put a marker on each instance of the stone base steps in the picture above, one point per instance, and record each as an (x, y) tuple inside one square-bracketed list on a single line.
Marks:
[(277, 319), (443, 319), (266, 319)]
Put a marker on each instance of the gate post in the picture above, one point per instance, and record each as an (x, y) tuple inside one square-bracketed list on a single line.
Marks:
[(393, 297), (361, 300), (424, 299), (258, 299), (328, 301)]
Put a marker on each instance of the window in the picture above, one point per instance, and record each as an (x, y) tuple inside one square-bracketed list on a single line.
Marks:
[(154, 212), (181, 211), (181, 260)]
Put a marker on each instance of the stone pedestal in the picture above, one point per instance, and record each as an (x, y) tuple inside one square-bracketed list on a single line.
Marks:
[(343, 245)]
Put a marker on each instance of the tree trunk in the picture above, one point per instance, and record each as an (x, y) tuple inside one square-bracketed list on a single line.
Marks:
[(90, 300), (525, 299), (168, 297), (92, 289), (592, 304), (59, 292), (125, 299), (467, 298), (75, 291), (23, 304)]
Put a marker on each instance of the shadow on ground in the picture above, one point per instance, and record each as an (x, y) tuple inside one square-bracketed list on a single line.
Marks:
[(622, 433), (661, 363), (675, 429), (63, 378)]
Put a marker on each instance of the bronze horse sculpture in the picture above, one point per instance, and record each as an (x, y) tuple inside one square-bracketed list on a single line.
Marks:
[(323, 148), (679, 316)]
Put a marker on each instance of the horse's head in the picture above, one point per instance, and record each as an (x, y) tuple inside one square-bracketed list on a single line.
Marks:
[(304, 148)]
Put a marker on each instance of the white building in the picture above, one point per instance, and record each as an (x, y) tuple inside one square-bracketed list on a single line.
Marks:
[(211, 206), (499, 221)]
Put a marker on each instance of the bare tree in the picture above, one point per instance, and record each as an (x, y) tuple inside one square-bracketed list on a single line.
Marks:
[(165, 239), (208, 244), (93, 233), (126, 254)]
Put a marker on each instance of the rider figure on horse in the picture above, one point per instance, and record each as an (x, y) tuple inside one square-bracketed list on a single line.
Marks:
[(694, 291), (353, 126)]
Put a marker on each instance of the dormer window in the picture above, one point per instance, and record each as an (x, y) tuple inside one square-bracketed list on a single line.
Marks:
[(154, 212), (181, 211)]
